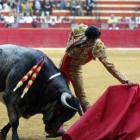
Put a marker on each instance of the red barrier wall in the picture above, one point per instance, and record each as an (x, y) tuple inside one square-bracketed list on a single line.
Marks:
[(121, 38), (56, 38)]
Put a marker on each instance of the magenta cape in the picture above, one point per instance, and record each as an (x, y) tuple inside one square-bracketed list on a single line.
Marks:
[(114, 116)]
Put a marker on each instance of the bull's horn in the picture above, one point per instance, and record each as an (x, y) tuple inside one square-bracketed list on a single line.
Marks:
[(65, 96), (80, 111)]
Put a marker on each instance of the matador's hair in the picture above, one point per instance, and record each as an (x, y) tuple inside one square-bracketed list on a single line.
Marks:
[(92, 32)]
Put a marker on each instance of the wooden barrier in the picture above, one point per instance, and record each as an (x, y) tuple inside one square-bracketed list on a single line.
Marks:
[(57, 38)]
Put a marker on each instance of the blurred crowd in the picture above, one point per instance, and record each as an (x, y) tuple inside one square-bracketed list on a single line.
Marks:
[(27, 11), (40, 11), (132, 22)]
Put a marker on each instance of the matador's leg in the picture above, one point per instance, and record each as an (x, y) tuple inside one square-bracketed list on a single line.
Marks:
[(77, 82)]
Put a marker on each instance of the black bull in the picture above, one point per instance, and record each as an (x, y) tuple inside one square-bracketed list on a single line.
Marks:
[(47, 97)]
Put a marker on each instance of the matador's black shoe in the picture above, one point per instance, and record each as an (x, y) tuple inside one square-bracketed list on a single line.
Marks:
[(57, 135)]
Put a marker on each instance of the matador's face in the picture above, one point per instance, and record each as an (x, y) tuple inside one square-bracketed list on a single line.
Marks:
[(90, 42)]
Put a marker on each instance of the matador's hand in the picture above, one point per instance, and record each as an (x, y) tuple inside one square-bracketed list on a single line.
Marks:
[(129, 82)]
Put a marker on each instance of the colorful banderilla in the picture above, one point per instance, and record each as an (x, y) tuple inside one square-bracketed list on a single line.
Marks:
[(34, 72)]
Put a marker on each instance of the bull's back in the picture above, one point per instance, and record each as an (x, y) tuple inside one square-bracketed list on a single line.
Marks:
[(17, 60)]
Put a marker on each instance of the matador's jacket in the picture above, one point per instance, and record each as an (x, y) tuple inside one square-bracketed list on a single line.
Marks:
[(76, 56)]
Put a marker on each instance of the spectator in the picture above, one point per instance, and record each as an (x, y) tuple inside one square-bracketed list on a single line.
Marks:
[(137, 8), (2, 18), (1, 3), (49, 20), (114, 27), (6, 7), (63, 4), (11, 3), (55, 3), (23, 1), (1, 7), (89, 6), (16, 15), (133, 22), (66, 19), (79, 8), (47, 7), (72, 7), (138, 22), (38, 19), (112, 19), (34, 23), (9, 20), (37, 7), (28, 18), (18, 8), (20, 18), (57, 19), (123, 20), (27, 8)]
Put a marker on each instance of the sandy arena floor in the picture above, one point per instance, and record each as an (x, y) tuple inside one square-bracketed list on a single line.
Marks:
[(96, 80)]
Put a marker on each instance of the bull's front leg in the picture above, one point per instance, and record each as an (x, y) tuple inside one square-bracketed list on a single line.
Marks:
[(14, 121), (4, 131), (12, 114)]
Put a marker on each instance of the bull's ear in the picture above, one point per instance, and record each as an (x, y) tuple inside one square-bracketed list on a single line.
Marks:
[(58, 92)]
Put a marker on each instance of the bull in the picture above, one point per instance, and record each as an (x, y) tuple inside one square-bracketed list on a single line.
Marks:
[(49, 94)]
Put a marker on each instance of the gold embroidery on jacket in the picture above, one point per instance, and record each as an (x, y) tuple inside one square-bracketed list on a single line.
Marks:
[(78, 57), (99, 49), (112, 69), (79, 29)]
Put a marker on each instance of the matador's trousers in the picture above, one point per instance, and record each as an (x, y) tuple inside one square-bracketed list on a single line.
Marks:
[(73, 74)]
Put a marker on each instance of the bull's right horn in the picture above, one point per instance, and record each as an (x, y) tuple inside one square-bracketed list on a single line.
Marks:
[(80, 111), (65, 96)]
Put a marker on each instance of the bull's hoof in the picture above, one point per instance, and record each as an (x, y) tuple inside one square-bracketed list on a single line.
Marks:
[(2, 137), (57, 135)]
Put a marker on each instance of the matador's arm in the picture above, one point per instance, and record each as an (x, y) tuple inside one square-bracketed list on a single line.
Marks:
[(100, 52), (112, 69)]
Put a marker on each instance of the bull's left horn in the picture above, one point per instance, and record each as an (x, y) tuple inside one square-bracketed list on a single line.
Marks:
[(65, 96)]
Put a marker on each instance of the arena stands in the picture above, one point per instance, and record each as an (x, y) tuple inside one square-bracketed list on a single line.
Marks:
[(101, 11), (124, 10)]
